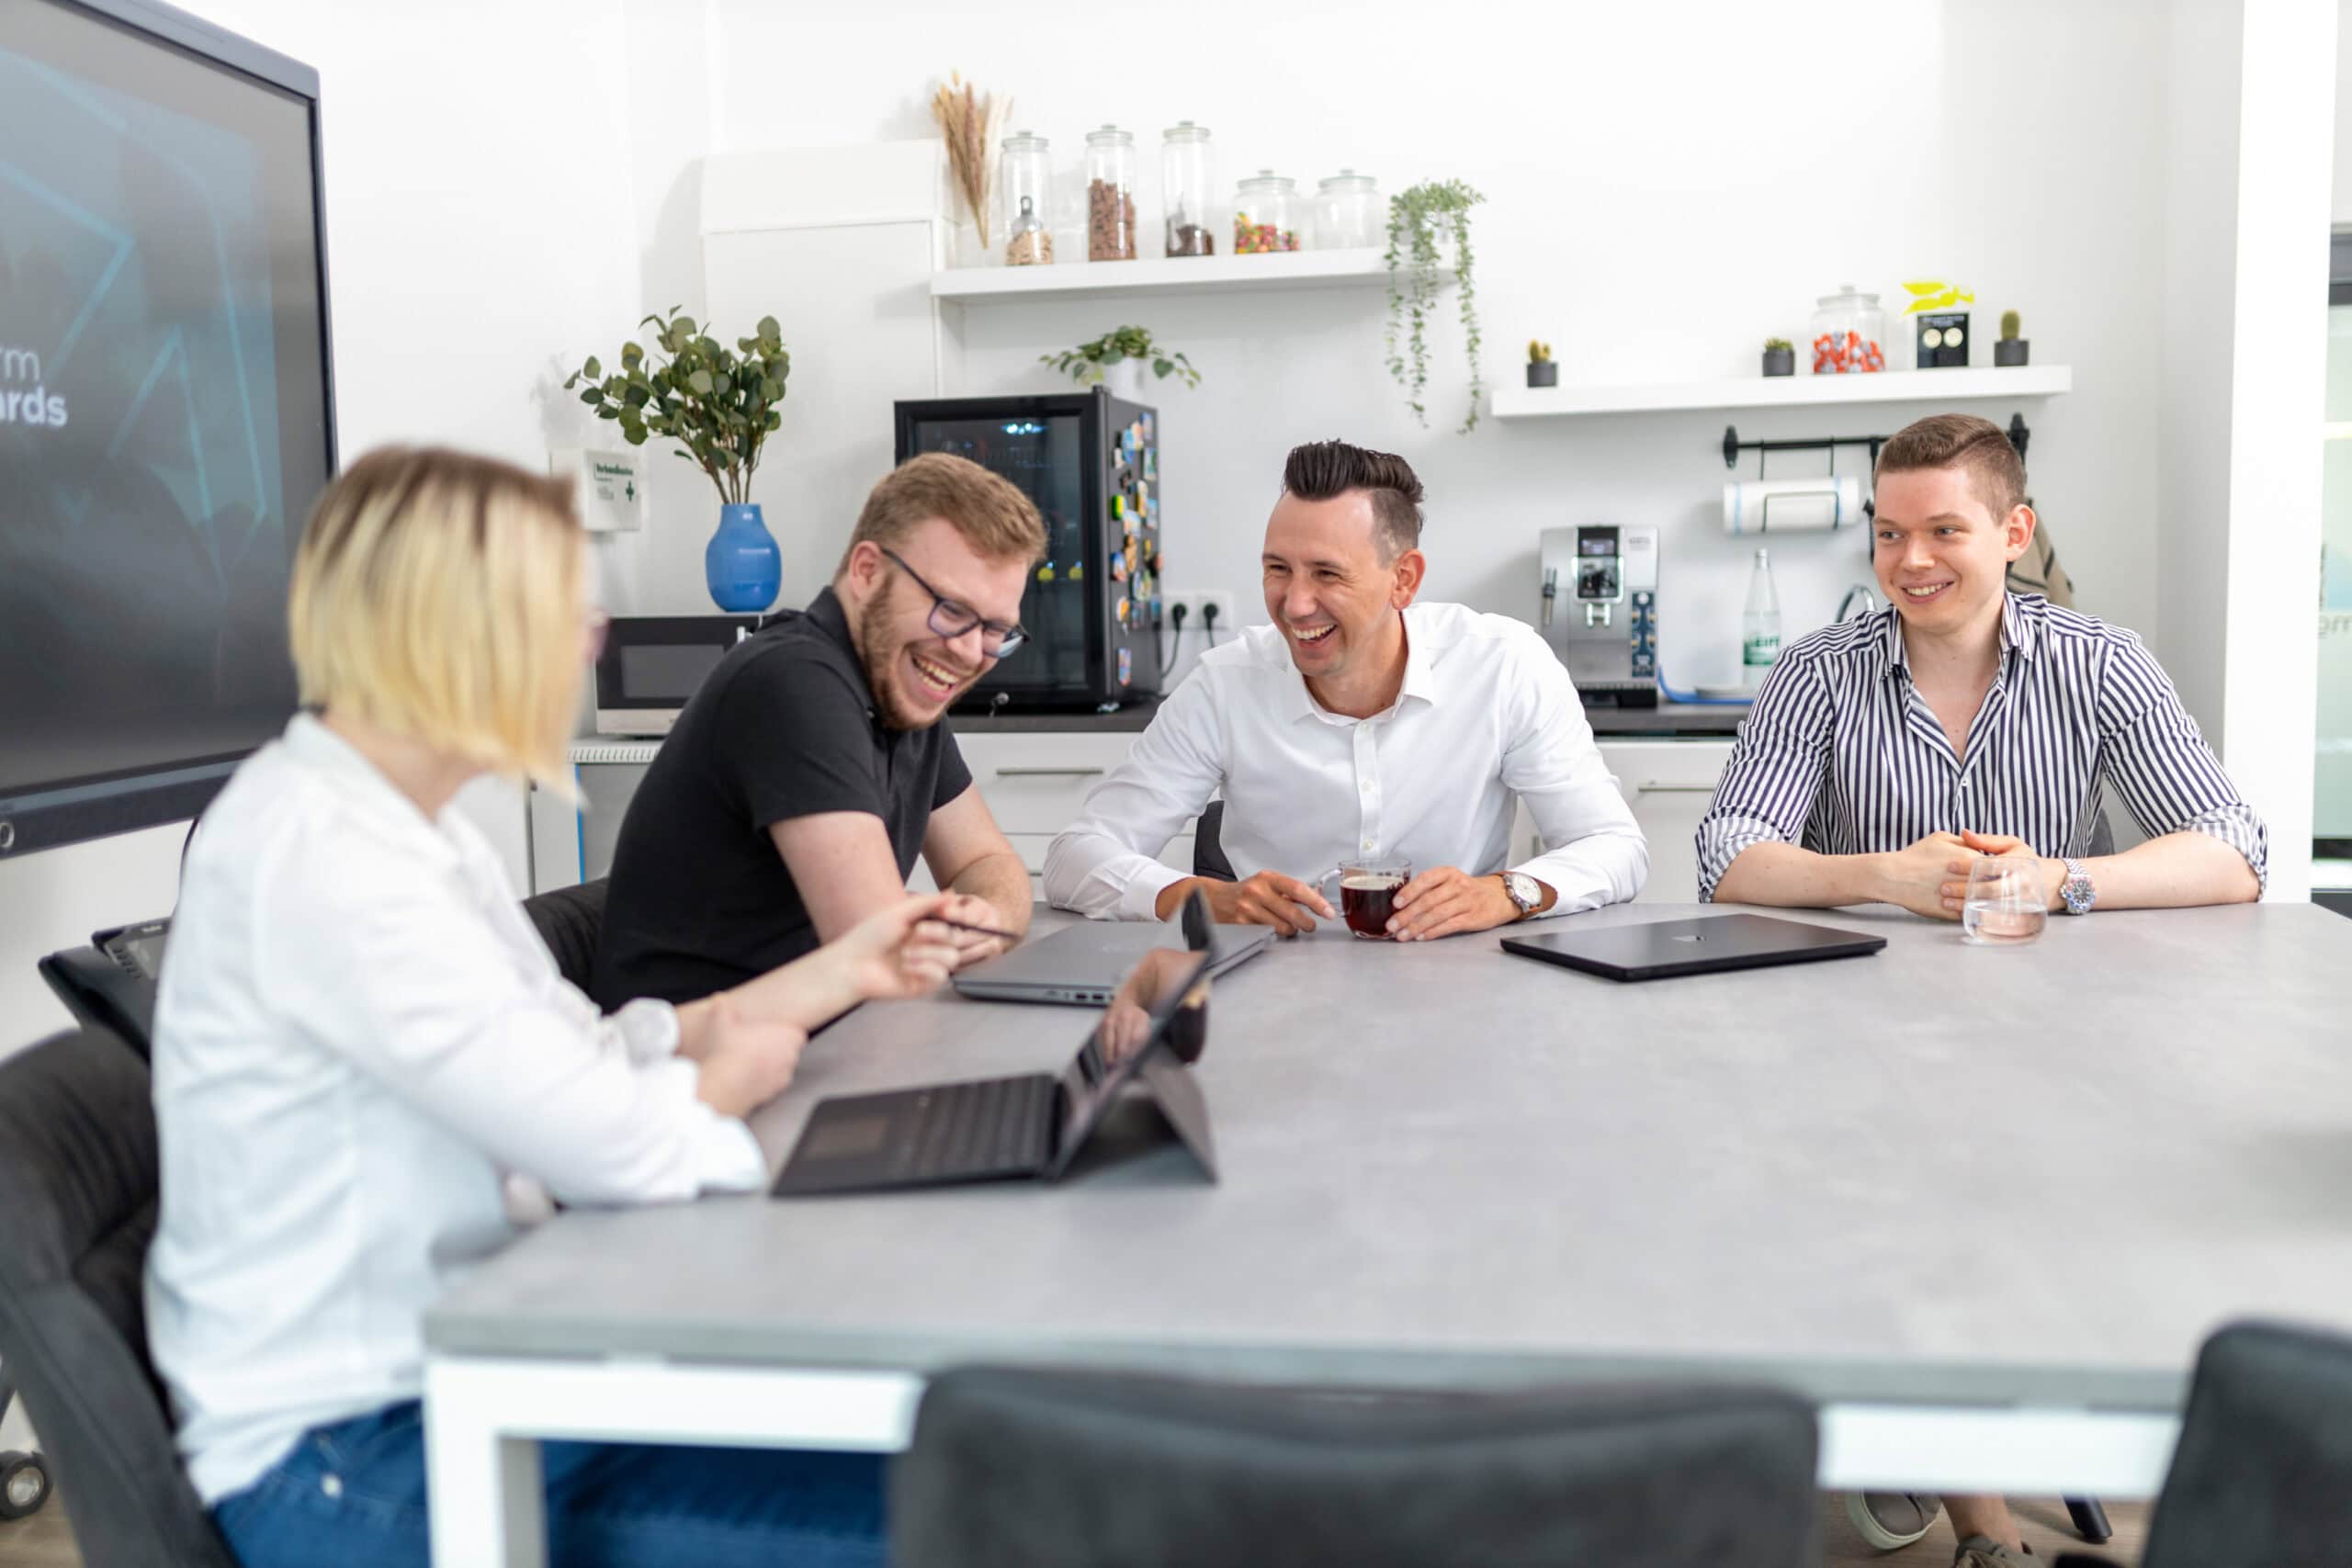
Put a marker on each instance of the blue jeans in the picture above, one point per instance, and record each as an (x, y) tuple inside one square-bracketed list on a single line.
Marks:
[(353, 1494)]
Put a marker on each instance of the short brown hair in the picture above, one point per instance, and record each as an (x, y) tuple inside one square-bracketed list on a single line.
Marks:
[(439, 596), (988, 508), (1324, 471), (1961, 441)]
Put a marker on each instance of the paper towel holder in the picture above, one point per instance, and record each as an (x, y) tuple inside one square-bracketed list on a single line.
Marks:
[(1734, 446)]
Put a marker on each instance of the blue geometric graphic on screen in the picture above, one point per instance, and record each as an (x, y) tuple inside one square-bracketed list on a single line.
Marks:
[(83, 131)]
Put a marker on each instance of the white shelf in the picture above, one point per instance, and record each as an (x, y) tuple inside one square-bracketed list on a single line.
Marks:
[(1788, 391), (1163, 276)]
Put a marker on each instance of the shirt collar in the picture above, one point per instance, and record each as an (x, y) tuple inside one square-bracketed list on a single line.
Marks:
[(2021, 633), (1421, 677), (362, 786), (829, 615)]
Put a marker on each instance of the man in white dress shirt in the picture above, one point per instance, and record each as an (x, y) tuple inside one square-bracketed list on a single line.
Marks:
[(1361, 726)]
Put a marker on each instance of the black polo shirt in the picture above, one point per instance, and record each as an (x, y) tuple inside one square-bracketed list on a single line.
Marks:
[(784, 726)]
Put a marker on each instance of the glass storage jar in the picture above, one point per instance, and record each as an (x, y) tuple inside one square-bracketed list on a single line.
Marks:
[(1110, 195), (1848, 333), (1026, 177), (1187, 186), (1264, 214), (1349, 213)]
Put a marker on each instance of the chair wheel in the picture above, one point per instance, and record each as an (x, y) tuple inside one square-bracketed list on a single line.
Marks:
[(24, 1484)]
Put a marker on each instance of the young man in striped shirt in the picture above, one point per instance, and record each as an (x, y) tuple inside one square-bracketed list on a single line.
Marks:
[(1884, 754)]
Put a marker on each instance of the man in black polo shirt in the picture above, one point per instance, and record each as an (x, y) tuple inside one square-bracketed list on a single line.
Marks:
[(814, 765)]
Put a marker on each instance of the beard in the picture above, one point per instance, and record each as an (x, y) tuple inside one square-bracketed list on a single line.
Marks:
[(880, 654)]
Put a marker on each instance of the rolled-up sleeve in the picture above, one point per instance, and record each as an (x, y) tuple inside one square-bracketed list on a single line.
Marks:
[(1775, 772), (1593, 850), (2169, 779), (1105, 864)]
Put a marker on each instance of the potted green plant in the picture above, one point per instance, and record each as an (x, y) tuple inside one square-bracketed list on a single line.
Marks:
[(2011, 349), (1417, 220), (1541, 370), (1779, 357), (1118, 358), (718, 405)]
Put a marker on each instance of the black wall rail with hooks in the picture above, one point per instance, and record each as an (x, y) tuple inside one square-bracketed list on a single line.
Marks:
[(1734, 446)]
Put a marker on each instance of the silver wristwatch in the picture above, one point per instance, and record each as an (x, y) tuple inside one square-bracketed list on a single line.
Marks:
[(2077, 890), (1525, 891)]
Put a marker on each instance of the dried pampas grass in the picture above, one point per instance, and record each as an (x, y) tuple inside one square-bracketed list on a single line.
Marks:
[(971, 121)]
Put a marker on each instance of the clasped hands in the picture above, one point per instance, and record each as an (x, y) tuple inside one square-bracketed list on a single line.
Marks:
[(1930, 877)]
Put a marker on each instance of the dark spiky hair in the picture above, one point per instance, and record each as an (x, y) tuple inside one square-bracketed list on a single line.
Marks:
[(1324, 471)]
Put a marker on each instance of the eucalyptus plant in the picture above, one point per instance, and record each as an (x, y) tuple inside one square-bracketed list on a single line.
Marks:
[(717, 403), (1416, 218)]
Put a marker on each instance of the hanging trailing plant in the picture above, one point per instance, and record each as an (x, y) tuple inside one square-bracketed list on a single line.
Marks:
[(1416, 219)]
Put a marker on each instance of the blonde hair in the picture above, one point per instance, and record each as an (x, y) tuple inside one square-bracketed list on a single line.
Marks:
[(995, 518), (438, 594)]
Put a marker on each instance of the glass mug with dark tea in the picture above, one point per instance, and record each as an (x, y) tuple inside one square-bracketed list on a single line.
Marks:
[(1368, 894)]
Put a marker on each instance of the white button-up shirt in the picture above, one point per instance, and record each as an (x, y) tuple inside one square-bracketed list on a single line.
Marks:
[(1486, 716), (357, 1029)]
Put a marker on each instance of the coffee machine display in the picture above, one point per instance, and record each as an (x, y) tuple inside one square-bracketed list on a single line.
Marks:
[(1599, 610), (1094, 605)]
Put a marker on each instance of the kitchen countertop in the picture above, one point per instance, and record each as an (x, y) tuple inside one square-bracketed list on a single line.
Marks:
[(1684, 720), (1133, 719)]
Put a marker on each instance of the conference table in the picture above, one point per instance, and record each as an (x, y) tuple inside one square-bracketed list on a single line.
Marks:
[(1981, 1204)]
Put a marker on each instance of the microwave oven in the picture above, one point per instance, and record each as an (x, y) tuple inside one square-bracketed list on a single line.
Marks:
[(651, 664)]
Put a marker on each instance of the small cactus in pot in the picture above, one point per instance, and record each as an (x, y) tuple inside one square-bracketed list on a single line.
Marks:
[(1779, 357), (1541, 370), (2010, 349)]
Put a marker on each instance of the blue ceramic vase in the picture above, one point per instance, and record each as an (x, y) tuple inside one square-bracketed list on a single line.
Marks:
[(742, 563)]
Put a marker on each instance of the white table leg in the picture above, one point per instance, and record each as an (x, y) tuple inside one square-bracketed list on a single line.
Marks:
[(483, 1488)]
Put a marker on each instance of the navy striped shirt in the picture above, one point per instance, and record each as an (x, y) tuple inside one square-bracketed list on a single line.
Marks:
[(1842, 756)]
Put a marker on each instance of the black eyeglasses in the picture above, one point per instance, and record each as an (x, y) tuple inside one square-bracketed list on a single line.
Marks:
[(951, 618)]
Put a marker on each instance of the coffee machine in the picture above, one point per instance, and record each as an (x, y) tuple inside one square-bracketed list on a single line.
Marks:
[(1599, 610)]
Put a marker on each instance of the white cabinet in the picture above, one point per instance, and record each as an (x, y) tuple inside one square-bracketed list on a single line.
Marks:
[(1035, 784), (1669, 784)]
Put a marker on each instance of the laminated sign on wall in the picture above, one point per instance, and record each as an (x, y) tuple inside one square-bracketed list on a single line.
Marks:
[(609, 486)]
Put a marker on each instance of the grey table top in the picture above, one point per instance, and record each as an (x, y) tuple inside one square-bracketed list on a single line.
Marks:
[(1938, 1173)]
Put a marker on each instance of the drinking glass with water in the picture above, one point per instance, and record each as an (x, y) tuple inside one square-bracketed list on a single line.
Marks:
[(2006, 903)]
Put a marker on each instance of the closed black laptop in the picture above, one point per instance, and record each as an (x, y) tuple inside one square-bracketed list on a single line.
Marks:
[(1708, 945), (1032, 1125)]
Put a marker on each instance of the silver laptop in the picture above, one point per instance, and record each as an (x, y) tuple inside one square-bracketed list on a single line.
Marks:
[(1082, 965)]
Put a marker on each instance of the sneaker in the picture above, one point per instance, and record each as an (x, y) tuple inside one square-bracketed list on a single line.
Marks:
[(1891, 1520), (1984, 1551)]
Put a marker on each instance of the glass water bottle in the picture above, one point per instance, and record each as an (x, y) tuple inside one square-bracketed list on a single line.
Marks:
[(1759, 639)]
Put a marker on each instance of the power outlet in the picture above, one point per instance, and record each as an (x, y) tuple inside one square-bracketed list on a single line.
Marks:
[(1195, 603)]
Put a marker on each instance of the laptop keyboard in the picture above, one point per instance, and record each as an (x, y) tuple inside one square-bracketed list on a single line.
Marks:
[(979, 1129)]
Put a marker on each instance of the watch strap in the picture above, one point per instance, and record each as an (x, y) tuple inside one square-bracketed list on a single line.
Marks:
[(2077, 890)]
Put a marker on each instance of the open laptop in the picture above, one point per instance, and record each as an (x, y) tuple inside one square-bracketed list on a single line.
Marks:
[(1032, 1125), (1082, 965), (1705, 946)]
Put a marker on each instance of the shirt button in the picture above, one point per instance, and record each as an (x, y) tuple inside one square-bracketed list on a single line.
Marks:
[(332, 1485), (1367, 846)]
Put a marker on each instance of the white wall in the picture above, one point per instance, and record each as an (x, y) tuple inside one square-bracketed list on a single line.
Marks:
[(1666, 189), (477, 157)]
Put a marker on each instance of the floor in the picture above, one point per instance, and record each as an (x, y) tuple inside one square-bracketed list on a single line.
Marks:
[(46, 1541)]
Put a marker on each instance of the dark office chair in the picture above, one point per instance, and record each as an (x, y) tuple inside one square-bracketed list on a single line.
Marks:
[(2263, 1475), (77, 1210), (568, 919), (1208, 854), (1015, 1468)]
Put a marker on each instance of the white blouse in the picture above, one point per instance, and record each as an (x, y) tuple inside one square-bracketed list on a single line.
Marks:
[(358, 1029)]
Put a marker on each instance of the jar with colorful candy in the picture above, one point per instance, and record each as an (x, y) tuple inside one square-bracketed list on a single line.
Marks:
[(1848, 333), (1265, 214)]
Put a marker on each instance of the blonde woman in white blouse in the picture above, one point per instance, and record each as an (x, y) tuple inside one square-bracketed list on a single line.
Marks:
[(360, 1038)]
